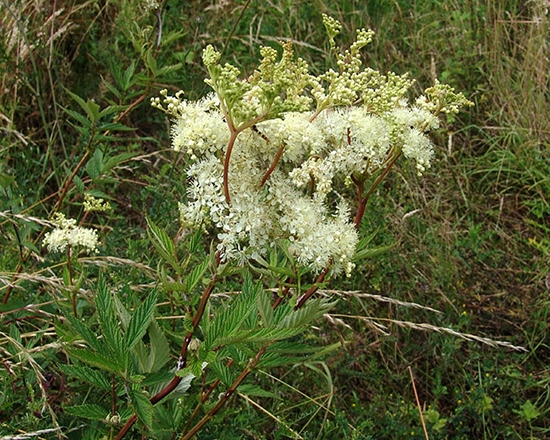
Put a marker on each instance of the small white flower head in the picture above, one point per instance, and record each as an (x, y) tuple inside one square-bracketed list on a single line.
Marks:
[(67, 233), (151, 5), (93, 204)]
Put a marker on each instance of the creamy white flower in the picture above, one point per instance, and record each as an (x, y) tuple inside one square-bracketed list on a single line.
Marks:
[(69, 234)]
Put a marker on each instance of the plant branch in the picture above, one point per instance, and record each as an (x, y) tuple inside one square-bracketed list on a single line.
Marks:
[(274, 164), (182, 360), (230, 391)]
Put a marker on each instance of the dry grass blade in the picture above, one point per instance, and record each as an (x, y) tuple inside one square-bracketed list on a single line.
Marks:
[(359, 294), (40, 379), (271, 415), (433, 328)]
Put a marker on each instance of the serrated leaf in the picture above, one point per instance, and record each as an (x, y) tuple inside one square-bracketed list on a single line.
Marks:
[(90, 107), (151, 63), (159, 377), (222, 372), (232, 318), (112, 109), (142, 407), (87, 334), (313, 310), (255, 390), (263, 335), (372, 252), (111, 88), (162, 243), (89, 411), (196, 242), (196, 275), (95, 164), (139, 322), (271, 360), (79, 184), (265, 308), (114, 126), (170, 286), (127, 80), (95, 359), (160, 349), (84, 121), (111, 162), (86, 374), (282, 270), (106, 313)]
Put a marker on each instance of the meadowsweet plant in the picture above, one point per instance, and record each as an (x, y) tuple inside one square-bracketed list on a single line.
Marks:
[(280, 167), (269, 155)]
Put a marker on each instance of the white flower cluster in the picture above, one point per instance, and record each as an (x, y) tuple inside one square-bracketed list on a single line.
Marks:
[(294, 204), (264, 165), (95, 204), (68, 233)]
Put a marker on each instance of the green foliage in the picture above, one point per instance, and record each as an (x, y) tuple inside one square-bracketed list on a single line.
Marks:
[(470, 239)]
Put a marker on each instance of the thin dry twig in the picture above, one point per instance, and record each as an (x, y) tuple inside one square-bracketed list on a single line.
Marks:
[(418, 405)]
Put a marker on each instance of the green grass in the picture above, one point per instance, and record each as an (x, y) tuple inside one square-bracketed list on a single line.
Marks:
[(471, 236)]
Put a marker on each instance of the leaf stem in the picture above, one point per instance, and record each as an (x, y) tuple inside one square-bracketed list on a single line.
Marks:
[(225, 397), (182, 361)]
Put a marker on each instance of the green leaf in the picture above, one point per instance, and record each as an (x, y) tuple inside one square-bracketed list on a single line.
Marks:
[(160, 349), (262, 335), (84, 121), (79, 184), (222, 372), (95, 164), (196, 275), (163, 244), (255, 390), (127, 80), (112, 127), (86, 374), (88, 335), (159, 377), (111, 162), (233, 317), (96, 360), (6, 180), (106, 312), (142, 407), (170, 286), (111, 88), (196, 242), (265, 309), (271, 360), (372, 252), (151, 63), (92, 412), (313, 310), (89, 106), (139, 322)]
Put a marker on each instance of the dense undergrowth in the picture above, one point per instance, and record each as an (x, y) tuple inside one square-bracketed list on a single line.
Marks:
[(469, 241)]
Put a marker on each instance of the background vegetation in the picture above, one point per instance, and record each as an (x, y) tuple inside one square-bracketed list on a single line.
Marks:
[(470, 238)]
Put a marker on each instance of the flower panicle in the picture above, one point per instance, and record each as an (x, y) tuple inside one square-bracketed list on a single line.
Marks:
[(295, 138)]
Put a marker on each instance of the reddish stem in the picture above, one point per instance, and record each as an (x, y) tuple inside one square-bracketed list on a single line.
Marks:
[(221, 402), (274, 164), (182, 361)]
